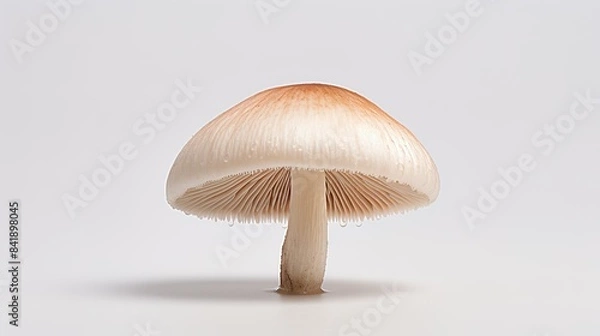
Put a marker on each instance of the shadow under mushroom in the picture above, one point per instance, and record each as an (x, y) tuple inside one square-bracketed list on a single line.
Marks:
[(227, 289)]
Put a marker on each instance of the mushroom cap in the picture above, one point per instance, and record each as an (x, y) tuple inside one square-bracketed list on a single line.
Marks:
[(237, 167)]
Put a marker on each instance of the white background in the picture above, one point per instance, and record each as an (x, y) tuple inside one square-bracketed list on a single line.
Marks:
[(127, 263)]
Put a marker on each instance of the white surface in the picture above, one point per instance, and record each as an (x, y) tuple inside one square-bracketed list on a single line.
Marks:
[(126, 260)]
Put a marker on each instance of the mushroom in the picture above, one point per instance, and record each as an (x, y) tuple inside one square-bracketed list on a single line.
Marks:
[(308, 154)]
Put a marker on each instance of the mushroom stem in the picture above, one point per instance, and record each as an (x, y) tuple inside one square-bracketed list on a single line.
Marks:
[(304, 249)]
